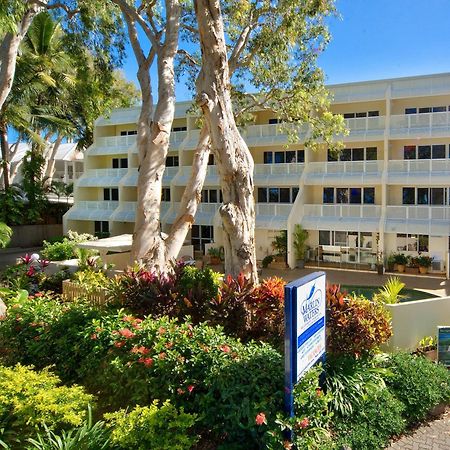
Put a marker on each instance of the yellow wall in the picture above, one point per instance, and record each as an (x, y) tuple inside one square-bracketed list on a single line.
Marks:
[(398, 106), (360, 107)]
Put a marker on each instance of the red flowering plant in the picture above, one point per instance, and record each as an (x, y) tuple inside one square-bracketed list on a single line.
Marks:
[(312, 421)]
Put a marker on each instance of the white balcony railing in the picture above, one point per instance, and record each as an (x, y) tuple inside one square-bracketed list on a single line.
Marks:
[(279, 169), (273, 209), (105, 173), (115, 141), (419, 165), (343, 210), (87, 204), (366, 125), (176, 137), (418, 212), (406, 124), (345, 167)]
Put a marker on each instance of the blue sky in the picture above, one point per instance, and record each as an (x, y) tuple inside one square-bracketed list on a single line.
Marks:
[(377, 39)]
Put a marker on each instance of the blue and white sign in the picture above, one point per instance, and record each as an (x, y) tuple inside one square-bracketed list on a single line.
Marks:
[(304, 303)]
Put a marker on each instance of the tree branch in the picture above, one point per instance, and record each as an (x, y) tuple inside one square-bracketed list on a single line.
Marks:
[(70, 12), (191, 60)]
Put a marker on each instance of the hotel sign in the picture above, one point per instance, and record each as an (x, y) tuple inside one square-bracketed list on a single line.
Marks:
[(305, 301)]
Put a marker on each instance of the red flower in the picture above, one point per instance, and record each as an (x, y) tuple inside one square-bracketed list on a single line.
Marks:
[(161, 330), (30, 271), (180, 391), (119, 344), (260, 419), (304, 423), (38, 294), (128, 318), (148, 362), (319, 392), (190, 388), (94, 336), (225, 348), (143, 350), (162, 355), (126, 333), (169, 345), (137, 320)]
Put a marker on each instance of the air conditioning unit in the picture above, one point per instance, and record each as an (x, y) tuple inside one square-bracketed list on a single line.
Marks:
[(437, 266)]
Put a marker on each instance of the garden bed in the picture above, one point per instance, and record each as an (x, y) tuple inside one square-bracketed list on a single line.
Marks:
[(369, 291)]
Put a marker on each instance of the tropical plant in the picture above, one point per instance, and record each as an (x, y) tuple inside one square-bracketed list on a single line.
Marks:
[(279, 244), (5, 234), (400, 258), (424, 261), (299, 242), (390, 292)]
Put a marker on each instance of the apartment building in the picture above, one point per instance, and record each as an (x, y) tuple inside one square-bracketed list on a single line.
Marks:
[(387, 192)]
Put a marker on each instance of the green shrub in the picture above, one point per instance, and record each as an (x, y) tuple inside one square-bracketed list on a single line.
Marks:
[(355, 326), (30, 399), (59, 251), (54, 282), (370, 426), (89, 436), (351, 381), (160, 427), (418, 383)]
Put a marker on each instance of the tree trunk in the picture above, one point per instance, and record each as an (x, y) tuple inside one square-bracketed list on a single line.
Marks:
[(9, 49), (5, 155), (49, 169), (153, 145), (233, 158)]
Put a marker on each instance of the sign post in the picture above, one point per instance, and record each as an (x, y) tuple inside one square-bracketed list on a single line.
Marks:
[(304, 342), (443, 345)]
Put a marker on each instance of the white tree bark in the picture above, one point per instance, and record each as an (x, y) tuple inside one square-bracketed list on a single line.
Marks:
[(233, 158), (10, 47), (49, 168)]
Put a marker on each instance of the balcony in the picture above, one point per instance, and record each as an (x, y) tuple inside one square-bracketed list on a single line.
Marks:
[(101, 177), (126, 212), (365, 129), (419, 171), (92, 210), (131, 178), (341, 217), (420, 125), (204, 215), (432, 220), (111, 145), (184, 173), (344, 172), (272, 216), (278, 174)]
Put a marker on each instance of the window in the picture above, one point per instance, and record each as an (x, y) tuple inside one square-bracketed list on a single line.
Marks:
[(201, 235), (424, 152), (409, 196), (369, 195), (412, 242), (438, 151), (210, 195), (120, 163), (355, 195), (128, 133), (371, 153), (340, 238), (328, 195), (423, 197), (277, 194), (437, 196), (111, 194), (352, 115), (274, 121), (172, 161), (101, 228), (268, 157), (409, 152), (346, 154), (332, 155), (410, 110), (374, 113), (165, 194), (341, 195), (358, 154), (280, 157), (324, 237), (349, 115), (361, 114), (425, 110), (175, 129), (439, 109)]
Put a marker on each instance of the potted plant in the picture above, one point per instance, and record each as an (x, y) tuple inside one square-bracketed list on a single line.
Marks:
[(412, 265), (300, 237), (401, 260), (424, 263), (391, 262), (266, 261), (428, 348), (215, 255), (279, 244)]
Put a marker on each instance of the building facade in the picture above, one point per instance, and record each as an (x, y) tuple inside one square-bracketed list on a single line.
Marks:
[(387, 192)]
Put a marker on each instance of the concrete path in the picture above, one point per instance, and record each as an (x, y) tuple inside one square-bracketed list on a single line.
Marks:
[(432, 436)]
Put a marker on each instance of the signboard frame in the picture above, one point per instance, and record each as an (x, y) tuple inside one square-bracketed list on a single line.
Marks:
[(443, 347), (299, 336)]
